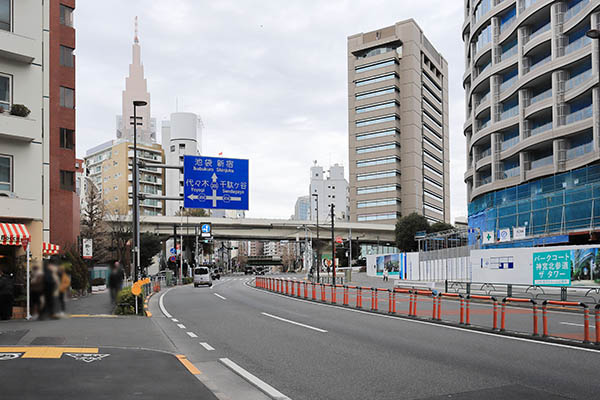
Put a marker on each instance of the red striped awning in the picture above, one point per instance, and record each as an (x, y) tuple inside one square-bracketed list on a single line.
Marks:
[(50, 249), (12, 234)]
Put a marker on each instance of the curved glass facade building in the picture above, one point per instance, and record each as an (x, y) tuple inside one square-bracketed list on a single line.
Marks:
[(532, 115)]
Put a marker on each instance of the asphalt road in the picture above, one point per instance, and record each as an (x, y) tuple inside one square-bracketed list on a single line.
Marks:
[(314, 351)]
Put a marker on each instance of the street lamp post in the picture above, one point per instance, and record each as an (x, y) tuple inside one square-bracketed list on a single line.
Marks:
[(136, 200), (318, 266)]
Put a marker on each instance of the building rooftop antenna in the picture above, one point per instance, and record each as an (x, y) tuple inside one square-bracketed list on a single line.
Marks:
[(136, 38)]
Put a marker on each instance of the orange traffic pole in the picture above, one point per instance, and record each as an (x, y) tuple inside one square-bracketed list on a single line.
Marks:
[(305, 290), (503, 316), (439, 308), (359, 297), (410, 303), (544, 319), (345, 295), (586, 324), (462, 310), (535, 319), (597, 323), (415, 302), (374, 302), (434, 307), (390, 301), (468, 301), (314, 291), (333, 294), (495, 325), (323, 295), (293, 291)]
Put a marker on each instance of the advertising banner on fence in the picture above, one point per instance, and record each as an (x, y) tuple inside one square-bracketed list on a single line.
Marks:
[(556, 266), (399, 265)]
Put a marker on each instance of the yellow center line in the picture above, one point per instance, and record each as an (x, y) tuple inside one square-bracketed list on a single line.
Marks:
[(46, 351), (186, 363)]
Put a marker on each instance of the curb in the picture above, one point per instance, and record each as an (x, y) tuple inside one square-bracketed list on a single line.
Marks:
[(520, 335)]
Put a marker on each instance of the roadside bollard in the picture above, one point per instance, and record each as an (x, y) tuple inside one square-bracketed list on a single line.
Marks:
[(415, 302), (410, 303), (535, 318), (586, 323), (299, 284), (391, 301), (293, 291), (314, 291), (434, 307), (495, 324), (286, 287), (333, 294), (503, 316), (597, 323), (462, 310), (439, 308), (345, 295), (544, 319), (323, 295), (374, 297), (468, 305), (359, 297)]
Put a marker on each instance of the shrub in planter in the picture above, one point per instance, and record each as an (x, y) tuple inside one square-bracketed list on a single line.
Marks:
[(187, 280), (126, 303), (98, 281), (20, 110)]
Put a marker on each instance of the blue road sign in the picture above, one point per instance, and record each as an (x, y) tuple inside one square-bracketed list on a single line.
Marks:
[(173, 251), (215, 182), (205, 228)]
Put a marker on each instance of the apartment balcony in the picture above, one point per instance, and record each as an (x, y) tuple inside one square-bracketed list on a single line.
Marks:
[(19, 128), (17, 47), (580, 115)]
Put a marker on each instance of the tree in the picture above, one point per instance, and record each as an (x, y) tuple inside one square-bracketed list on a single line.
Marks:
[(150, 245), (192, 212), (440, 227), (93, 225), (406, 228), (78, 270), (120, 235)]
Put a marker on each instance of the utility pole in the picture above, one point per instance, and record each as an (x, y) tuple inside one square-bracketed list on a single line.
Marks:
[(136, 200), (350, 249), (333, 242), (318, 267)]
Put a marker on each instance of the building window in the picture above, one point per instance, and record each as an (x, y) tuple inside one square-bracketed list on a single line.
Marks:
[(5, 14), (67, 97), (67, 180), (67, 138), (5, 91), (182, 146), (66, 15), (66, 56), (6, 173), (172, 148)]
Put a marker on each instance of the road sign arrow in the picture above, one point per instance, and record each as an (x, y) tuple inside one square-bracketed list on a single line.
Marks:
[(214, 177), (193, 197)]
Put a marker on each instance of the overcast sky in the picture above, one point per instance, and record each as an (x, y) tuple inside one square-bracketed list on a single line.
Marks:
[(268, 78)]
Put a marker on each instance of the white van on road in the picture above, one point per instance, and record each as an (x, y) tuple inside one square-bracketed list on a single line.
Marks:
[(202, 276)]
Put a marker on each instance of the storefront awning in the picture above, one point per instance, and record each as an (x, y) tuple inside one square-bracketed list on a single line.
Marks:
[(12, 234), (50, 249)]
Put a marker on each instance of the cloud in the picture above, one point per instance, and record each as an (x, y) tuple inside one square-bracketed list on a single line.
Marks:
[(268, 78)]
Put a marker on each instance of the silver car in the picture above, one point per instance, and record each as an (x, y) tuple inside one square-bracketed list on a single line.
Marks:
[(202, 276)]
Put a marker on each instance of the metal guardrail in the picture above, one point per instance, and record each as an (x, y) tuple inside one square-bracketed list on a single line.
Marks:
[(583, 294)]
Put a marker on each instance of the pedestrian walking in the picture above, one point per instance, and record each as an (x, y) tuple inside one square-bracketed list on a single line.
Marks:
[(51, 284), (115, 280), (37, 290), (6, 295), (65, 284), (386, 274)]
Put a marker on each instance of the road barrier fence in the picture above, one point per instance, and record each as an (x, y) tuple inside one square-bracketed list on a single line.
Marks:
[(447, 307)]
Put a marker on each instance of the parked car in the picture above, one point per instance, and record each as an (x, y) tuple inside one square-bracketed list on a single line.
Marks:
[(202, 276)]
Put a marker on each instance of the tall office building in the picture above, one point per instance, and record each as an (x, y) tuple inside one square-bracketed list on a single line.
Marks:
[(398, 125), (332, 189), (109, 165), (181, 136), (302, 209), (532, 115)]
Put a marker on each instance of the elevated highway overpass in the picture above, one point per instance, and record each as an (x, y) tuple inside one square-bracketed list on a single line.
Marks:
[(263, 229)]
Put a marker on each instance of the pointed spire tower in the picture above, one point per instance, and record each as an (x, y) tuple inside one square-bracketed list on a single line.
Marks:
[(136, 89)]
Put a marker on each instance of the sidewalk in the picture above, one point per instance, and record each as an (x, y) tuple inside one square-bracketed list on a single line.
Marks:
[(94, 303), (93, 357)]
